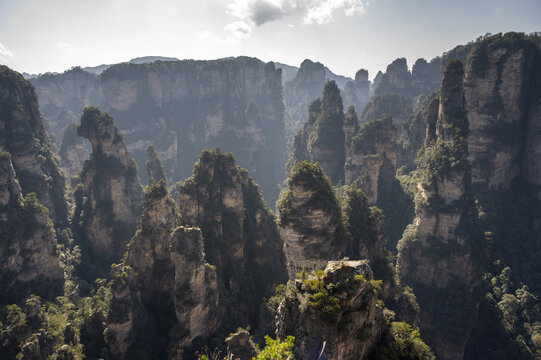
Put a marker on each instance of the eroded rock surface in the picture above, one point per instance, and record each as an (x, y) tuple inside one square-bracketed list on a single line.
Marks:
[(23, 135), (333, 315), (29, 263), (439, 255), (240, 234), (108, 202), (165, 295)]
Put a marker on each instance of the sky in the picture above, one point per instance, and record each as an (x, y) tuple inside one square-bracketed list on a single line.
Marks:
[(38, 36)]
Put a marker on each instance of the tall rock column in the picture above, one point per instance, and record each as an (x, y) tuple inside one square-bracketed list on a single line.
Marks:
[(73, 152), (109, 202), (23, 135), (357, 92), (240, 234), (163, 278), (310, 220), (332, 314), (29, 263), (372, 156), (439, 255), (322, 138), (154, 166), (498, 81)]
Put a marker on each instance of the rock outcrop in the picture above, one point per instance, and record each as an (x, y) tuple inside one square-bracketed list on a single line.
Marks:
[(439, 255), (73, 152), (351, 126), (322, 137), (357, 92), (373, 155), (240, 235), (154, 166), (372, 163), (332, 314), (63, 96), (503, 111), (398, 107), (108, 201), (426, 76), (23, 135), (397, 79), (299, 92), (164, 293), (29, 263), (310, 220), (241, 346), (420, 126)]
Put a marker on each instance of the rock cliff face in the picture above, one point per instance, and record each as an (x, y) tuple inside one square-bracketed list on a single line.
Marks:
[(310, 220), (23, 135), (299, 150), (28, 258), (372, 162), (73, 152), (349, 152), (240, 345), (154, 166), (439, 254), (322, 138), (332, 315), (357, 92), (373, 155), (420, 126), (503, 111), (426, 76), (299, 92), (241, 237), (397, 79), (164, 293), (189, 106), (108, 203), (63, 96), (398, 107), (183, 107)]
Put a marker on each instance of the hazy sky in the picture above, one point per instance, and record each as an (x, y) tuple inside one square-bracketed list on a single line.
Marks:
[(346, 35)]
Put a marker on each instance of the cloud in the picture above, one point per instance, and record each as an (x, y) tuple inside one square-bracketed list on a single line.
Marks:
[(5, 52), (65, 47), (322, 11), (239, 29), (207, 35), (259, 12), (264, 11)]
